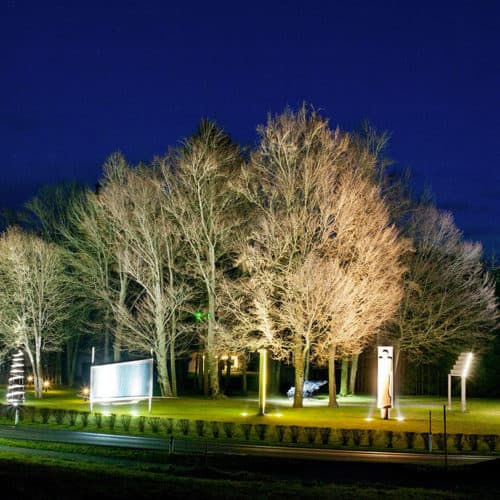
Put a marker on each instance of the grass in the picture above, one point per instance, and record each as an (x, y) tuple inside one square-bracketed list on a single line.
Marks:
[(52, 470), (482, 416), (51, 479), (43, 477)]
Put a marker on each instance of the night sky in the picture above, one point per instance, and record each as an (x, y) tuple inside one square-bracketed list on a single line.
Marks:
[(80, 80)]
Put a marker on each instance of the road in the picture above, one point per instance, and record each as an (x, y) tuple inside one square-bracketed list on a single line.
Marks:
[(211, 447)]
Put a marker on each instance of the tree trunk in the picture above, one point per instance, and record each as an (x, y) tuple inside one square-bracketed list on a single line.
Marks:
[(213, 371), (58, 369), (244, 382), (274, 376), (71, 357), (199, 372), (353, 374), (332, 385), (37, 374), (227, 379), (163, 378), (298, 398), (206, 385), (117, 341), (343, 377), (173, 371), (396, 357), (307, 363), (106, 345), (117, 348)]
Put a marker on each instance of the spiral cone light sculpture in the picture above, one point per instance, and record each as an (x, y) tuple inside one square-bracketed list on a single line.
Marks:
[(15, 390)]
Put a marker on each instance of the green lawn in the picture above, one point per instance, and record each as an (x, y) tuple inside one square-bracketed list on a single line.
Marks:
[(482, 416), (36, 475)]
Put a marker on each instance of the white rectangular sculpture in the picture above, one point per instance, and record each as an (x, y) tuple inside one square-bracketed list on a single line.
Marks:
[(460, 369), (385, 381), (125, 381)]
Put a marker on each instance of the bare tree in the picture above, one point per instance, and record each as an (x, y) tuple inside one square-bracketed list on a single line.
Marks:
[(49, 215), (322, 237), (449, 299), (198, 179), (148, 249), (100, 280), (34, 297)]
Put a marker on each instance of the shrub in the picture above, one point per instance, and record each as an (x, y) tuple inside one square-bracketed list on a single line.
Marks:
[(324, 433), (440, 440), (228, 429), (280, 432), (126, 419), (410, 440), (169, 425), (45, 413), (98, 419), (141, 423), (200, 427), (357, 436), (371, 437), (458, 442), (344, 437), (111, 421), (491, 441), (295, 432), (472, 439), (3, 410), (311, 433), (85, 418), (261, 430), (154, 423), (388, 437), (28, 413), (246, 428), (184, 425), (73, 414), (215, 429), (59, 416), (426, 437)]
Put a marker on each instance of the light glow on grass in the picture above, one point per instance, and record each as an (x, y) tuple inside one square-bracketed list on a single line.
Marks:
[(244, 414), (369, 417)]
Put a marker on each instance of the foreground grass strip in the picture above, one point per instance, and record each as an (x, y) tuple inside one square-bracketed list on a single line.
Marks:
[(42, 477)]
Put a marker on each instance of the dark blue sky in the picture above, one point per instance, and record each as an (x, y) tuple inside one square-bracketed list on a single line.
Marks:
[(80, 80)]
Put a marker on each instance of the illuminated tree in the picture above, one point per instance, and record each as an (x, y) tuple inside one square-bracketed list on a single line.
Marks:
[(198, 179), (322, 247), (100, 281), (50, 215), (33, 298), (148, 251), (449, 300)]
